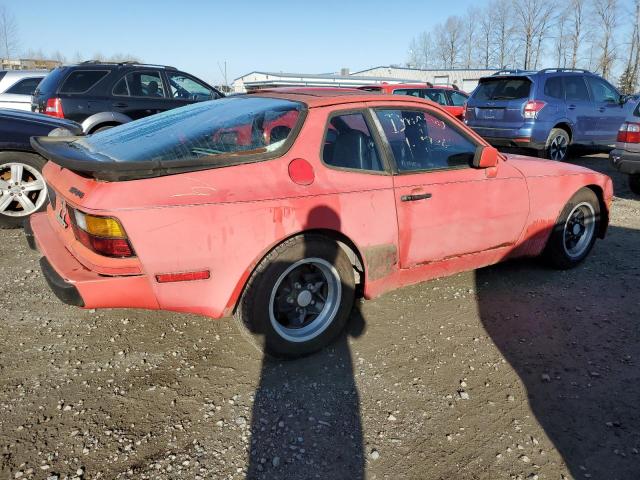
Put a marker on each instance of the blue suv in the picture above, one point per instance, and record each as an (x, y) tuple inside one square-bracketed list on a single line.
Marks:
[(547, 111)]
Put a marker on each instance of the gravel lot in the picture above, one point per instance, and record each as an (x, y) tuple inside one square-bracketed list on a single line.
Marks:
[(514, 371)]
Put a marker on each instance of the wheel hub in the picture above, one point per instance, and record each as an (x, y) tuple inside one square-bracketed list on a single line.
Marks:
[(304, 298)]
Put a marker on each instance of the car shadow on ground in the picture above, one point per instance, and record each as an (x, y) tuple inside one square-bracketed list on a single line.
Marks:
[(306, 420), (576, 350)]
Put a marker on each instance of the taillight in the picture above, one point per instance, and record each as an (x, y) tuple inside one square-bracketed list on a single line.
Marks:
[(629, 133), (532, 108), (103, 235), (54, 108)]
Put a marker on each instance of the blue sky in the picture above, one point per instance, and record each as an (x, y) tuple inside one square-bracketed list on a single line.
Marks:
[(196, 35)]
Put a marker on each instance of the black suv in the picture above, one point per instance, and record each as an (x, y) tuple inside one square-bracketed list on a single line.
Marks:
[(102, 95)]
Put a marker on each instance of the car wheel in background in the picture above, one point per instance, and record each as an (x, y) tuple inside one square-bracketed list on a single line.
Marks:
[(634, 183), (22, 187), (299, 297), (575, 231), (557, 146)]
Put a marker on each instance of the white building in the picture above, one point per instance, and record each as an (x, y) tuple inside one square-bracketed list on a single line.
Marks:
[(465, 79), (260, 80)]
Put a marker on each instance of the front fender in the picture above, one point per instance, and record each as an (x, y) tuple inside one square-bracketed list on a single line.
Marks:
[(104, 117)]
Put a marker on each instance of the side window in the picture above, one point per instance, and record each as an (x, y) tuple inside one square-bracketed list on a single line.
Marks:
[(554, 88), (457, 98), (435, 95), (575, 88), (81, 81), (602, 91), (26, 86), (187, 88), (140, 84), (421, 141), (412, 92), (349, 144)]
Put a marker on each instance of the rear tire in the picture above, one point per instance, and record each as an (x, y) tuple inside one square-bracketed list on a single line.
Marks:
[(23, 191), (575, 231), (299, 297), (557, 145), (634, 183)]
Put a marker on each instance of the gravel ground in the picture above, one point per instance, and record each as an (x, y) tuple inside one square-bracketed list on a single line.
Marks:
[(514, 371)]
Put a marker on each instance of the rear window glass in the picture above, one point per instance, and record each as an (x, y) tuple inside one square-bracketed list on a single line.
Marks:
[(51, 81), (229, 128), (82, 80), (503, 89)]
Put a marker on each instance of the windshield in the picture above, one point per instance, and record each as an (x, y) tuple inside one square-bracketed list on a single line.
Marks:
[(503, 89), (230, 127)]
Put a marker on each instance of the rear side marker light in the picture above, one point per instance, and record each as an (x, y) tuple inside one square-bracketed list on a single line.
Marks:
[(183, 276), (102, 235), (532, 108), (629, 133)]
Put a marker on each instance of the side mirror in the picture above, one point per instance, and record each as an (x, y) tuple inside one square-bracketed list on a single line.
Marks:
[(485, 157)]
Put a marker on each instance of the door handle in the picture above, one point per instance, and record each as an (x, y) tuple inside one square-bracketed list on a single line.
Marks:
[(120, 105), (413, 198), (571, 107), (601, 109)]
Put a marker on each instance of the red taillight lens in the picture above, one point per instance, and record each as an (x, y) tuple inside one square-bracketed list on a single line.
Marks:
[(54, 108), (629, 133), (99, 234), (532, 108)]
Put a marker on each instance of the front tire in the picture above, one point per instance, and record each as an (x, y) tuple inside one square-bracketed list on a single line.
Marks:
[(575, 231), (557, 145), (23, 190), (634, 183), (299, 297)]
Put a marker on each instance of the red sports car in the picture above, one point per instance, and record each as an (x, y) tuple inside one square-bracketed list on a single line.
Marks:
[(450, 98), (280, 207)]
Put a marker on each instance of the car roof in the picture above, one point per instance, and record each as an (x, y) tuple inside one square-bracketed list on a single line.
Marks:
[(322, 97), (24, 73)]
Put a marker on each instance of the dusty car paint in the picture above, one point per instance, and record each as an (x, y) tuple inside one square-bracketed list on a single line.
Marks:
[(226, 220)]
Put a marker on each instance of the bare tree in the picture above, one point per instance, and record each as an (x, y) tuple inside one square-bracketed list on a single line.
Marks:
[(421, 51), (9, 41), (470, 34), (629, 78), (449, 41), (533, 19), (575, 13), (605, 15), (486, 35), (502, 18)]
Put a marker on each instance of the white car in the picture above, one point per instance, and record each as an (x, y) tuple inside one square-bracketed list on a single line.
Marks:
[(17, 86)]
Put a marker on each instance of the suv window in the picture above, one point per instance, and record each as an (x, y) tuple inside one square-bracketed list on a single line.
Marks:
[(185, 87), (554, 87), (421, 141), (26, 86), (602, 91), (349, 144), (80, 81), (575, 88), (140, 84), (457, 99), (413, 92), (503, 89), (435, 95)]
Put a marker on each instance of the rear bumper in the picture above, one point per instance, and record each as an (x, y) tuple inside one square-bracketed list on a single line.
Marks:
[(625, 162), (523, 137), (76, 285)]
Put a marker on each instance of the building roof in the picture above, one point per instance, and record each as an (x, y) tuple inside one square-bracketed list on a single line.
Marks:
[(429, 69), (327, 76)]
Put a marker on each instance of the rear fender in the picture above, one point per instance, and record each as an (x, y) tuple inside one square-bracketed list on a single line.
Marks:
[(104, 117)]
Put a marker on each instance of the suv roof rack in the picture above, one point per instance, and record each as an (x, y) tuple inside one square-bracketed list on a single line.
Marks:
[(547, 70), (515, 71), (128, 62)]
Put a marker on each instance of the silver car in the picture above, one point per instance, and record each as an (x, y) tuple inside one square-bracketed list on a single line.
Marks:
[(626, 156), (17, 86)]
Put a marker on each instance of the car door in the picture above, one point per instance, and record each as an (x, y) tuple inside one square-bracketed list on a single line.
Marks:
[(580, 110), (140, 93), (445, 207), (611, 112)]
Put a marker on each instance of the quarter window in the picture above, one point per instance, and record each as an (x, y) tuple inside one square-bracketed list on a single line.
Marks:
[(80, 81), (349, 144), (421, 141), (457, 98), (140, 84), (575, 88), (26, 86), (435, 95)]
